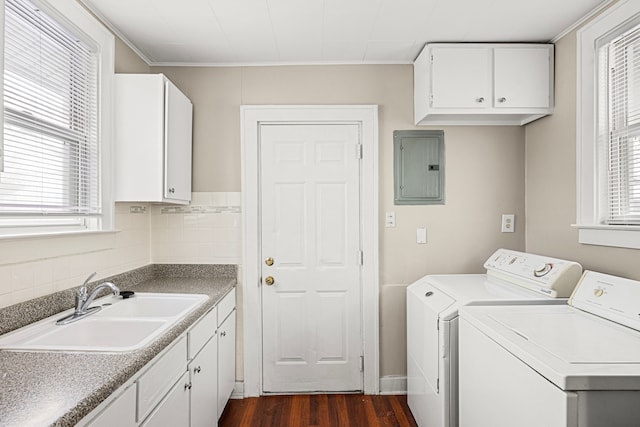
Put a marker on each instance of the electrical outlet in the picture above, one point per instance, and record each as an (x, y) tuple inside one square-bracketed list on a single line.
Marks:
[(508, 223)]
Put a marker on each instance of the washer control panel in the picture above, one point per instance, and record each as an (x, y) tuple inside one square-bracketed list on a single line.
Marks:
[(550, 276), (611, 297)]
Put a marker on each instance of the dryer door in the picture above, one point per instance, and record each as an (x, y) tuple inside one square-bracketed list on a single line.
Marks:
[(424, 304)]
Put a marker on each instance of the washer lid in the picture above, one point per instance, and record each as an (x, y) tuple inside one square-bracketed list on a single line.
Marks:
[(572, 349), (575, 337)]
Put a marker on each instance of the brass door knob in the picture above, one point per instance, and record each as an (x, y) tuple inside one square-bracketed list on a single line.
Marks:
[(269, 280), (269, 261)]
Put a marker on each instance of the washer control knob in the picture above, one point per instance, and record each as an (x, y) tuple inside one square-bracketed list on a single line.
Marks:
[(542, 270), (598, 292)]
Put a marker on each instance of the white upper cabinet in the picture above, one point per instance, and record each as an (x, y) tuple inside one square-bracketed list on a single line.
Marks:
[(462, 78), (483, 84), (522, 77), (153, 140)]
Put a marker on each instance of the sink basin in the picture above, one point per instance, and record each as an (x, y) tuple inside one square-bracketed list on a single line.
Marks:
[(149, 305), (122, 325)]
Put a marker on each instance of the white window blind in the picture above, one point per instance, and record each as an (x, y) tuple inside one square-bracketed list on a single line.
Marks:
[(51, 161), (619, 127)]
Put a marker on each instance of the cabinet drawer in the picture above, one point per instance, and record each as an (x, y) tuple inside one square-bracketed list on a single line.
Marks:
[(158, 379), (201, 332), (226, 306)]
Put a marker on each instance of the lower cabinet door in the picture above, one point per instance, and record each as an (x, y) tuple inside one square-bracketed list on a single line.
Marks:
[(121, 412), (173, 410), (204, 380), (226, 360)]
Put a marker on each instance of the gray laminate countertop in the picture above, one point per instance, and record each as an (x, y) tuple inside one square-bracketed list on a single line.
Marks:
[(61, 388)]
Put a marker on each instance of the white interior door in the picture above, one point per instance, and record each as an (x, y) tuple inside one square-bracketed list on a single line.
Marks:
[(310, 227)]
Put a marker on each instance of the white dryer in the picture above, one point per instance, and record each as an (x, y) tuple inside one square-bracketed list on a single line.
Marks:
[(576, 365), (432, 321)]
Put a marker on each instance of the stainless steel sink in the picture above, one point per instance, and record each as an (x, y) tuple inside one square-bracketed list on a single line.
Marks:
[(122, 325)]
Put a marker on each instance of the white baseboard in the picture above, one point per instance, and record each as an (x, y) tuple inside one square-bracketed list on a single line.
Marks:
[(393, 384), (238, 390)]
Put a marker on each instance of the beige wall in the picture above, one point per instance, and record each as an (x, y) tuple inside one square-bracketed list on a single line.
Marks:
[(127, 61), (484, 171), (551, 180)]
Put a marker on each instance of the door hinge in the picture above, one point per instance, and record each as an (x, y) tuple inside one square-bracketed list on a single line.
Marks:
[(361, 257), (358, 151), (432, 59), (438, 385), (437, 324), (431, 100), (361, 363)]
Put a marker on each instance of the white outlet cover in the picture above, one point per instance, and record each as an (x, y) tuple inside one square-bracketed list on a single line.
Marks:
[(508, 223), (421, 235), (390, 219)]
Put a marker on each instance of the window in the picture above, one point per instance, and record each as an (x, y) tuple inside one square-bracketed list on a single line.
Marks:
[(608, 128), (53, 145), (619, 126)]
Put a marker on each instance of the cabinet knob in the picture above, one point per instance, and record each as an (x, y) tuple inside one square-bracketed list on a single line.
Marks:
[(197, 370), (503, 99), (172, 190), (481, 99), (223, 334), (188, 386)]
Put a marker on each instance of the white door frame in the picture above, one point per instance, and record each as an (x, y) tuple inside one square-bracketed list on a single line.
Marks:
[(251, 116)]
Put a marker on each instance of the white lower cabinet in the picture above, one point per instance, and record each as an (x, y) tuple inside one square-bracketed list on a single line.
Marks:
[(173, 410), (203, 371), (226, 360), (160, 376), (121, 412), (187, 385)]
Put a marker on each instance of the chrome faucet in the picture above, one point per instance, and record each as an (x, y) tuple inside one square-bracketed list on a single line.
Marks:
[(84, 299)]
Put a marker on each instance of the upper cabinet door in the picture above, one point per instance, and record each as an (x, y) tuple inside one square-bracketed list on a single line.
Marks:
[(522, 77), (153, 122), (461, 78), (178, 133)]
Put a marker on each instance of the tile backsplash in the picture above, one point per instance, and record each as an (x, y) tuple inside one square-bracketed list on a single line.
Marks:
[(206, 232)]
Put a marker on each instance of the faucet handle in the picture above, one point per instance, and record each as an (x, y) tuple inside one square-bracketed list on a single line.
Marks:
[(88, 279)]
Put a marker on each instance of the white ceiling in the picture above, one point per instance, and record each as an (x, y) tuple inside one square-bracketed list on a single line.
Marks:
[(235, 32)]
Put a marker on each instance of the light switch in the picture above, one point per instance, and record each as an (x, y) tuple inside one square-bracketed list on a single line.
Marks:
[(421, 235), (390, 219)]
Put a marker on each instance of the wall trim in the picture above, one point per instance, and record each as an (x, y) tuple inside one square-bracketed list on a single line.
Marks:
[(367, 117), (593, 12), (393, 384), (238, 390)]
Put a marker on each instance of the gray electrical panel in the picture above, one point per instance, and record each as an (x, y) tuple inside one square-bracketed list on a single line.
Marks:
[(418, 167)]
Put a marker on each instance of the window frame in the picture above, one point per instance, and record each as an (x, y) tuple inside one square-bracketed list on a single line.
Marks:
[(73, 15), (614, 21)]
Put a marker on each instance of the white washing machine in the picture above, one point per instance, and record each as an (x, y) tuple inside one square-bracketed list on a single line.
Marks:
[(432, 321), (576, 365)]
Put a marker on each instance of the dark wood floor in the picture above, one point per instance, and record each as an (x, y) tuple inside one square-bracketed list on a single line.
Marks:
[(322, 410)]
